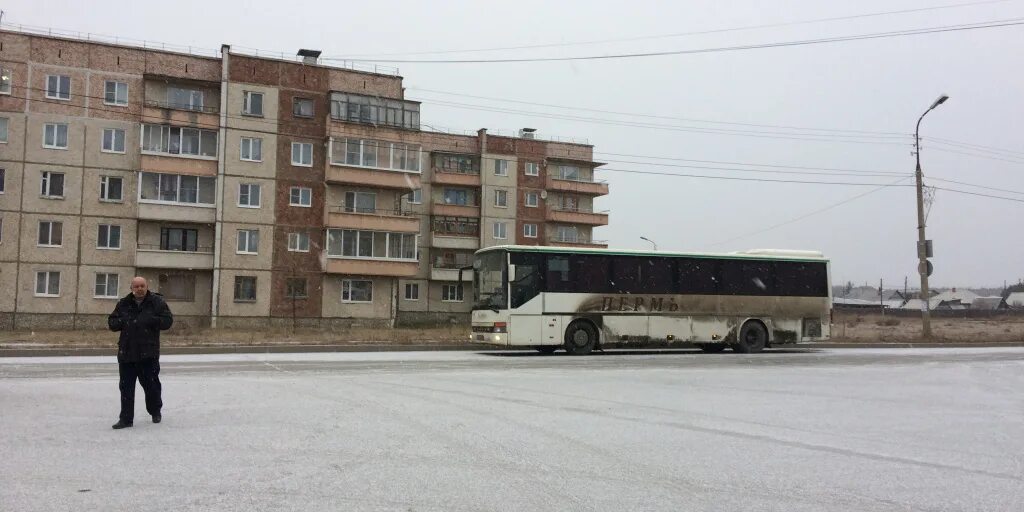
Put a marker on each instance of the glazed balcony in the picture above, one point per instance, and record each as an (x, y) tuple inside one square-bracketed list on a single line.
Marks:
[(584, 216), (349, 217)]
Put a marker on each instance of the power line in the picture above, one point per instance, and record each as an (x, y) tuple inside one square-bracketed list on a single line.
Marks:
[(747, 163), (760, 180), (763, 171), (680, 34), (979, 194), (933, 178), (976, 147), (976, 155), (860, 37)]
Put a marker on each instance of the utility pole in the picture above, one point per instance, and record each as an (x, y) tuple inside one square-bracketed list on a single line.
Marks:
[(923, 267), (881, 298)]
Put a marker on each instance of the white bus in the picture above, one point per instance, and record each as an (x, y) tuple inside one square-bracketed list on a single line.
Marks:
[(556, 297)]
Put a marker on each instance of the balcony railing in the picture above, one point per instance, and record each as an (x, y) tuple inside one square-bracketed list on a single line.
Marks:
[(369, 211), (457, 170), (577, 209), (578, 239), (205, 109), (578, 179), (158, 247)]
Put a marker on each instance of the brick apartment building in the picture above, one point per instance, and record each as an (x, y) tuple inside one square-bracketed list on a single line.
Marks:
[(251, 191)]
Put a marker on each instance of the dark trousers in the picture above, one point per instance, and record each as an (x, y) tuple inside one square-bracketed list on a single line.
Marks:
[(147, 372)]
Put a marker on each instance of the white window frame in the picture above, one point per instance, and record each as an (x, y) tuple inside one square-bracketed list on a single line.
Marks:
[(165, 141), (46, 184), (302, 146), (248, 235), (501, 198), (453, 293), (247, 103), (57, 95), (534, 166), (500, 167), (177, 177), (46, 287), (56, 132), (416, 196), (346, 289), (113, 141), (301, 190), (504, 230), (6, 123), (251, 142), (358, 247), (6, 85), (413, 155), (49, 236), (414, 287), (117, 89), (249, 187), (295, 242), (255, 290), (110, 229), (106, 285), (532, 204), (105, 189), (527, 230)]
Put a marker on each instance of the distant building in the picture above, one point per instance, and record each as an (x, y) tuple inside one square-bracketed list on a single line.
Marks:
[(989, 303), (1015, 300)]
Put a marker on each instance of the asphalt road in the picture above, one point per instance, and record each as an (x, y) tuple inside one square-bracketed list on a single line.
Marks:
[(887, 429)]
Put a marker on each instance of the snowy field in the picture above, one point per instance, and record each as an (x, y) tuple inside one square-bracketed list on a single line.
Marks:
[(856, 430)]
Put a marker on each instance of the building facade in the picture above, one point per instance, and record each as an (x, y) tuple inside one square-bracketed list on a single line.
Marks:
[(251, 191)]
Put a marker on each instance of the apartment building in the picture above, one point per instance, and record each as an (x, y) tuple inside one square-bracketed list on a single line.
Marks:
[(254, 191)]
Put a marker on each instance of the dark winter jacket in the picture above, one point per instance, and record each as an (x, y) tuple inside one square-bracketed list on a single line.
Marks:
[(140, 326)]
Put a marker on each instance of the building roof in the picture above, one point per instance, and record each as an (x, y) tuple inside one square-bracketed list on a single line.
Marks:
[(964, 296), (988, 303), (1015, 300)]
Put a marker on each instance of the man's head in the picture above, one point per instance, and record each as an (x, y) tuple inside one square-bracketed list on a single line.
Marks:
[(139, 287)]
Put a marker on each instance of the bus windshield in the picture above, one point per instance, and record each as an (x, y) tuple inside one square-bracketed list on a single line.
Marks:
[(489, 281)]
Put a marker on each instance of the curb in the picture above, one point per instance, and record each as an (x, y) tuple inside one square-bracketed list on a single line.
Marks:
[(284, 349)]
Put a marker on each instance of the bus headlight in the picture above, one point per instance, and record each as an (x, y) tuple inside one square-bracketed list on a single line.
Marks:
[(497, 338)]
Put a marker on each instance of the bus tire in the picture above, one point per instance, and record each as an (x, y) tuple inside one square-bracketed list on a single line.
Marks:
[(546, 349), (753, 338), (580, 338), (712, 348)]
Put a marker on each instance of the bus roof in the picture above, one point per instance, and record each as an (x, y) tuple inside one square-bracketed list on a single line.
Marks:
[(754, 254)]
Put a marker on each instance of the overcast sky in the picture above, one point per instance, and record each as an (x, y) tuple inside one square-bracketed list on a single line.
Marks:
[(879, 85)]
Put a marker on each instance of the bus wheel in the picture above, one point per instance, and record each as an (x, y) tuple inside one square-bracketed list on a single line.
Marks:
[(712, 348), (580, 338), (752, 339), (546, 349)]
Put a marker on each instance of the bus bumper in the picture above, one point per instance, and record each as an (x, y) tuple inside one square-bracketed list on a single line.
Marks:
[(489, 338)]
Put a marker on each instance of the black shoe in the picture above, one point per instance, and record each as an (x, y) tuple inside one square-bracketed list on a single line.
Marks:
[(121, 424), (157, 418)]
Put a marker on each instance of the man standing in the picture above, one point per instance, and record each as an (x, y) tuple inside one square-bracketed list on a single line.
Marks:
[(139, 317)]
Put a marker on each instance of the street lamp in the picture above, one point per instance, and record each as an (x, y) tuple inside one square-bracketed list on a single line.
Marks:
[(651, 241), (922, 252)]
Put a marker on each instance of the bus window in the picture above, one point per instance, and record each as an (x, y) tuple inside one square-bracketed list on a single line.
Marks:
[(747, 278), (698, 276), (557, 276), (625, 276), (801, 279), (527, 283), (656, 275)]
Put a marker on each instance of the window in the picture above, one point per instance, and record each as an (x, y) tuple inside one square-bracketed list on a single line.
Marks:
[(295, 288), (455, 226), (186, 99), (58, 87), (300, 196), (178, 287), (175, 140), (532, 199), (302, 154), (47, 284), (106, 286), (298, 242), (532, 169), (462, 164), (569, 203), (360, 202), (501, 198), (451, 293), (530, 230), (51, 184), (567, 234), (459, 197), (500, 230), (357, 108), (179, 239), (416, 196), (176, 188), (113, 140), (351, 243), (356, 291), (252, 103), (245, 288), (109, 237), (5, 80), (111, 189), (500, 167), (376, 154), (302, 107), (115, 93), (55, 136), (4, 125), (248, 241), (412, 291), (569, 172), (248, 195), (252, 149)]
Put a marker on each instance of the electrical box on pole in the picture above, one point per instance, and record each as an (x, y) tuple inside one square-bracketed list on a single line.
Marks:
[(924, 250)]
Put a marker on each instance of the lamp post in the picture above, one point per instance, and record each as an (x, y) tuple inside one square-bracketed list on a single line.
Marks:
[(922, 252), (651, 241)]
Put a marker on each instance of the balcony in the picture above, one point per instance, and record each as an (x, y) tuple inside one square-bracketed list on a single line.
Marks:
[(177, 212), (397, 180), (449, 274), (371, 267), (457, 177), (576, 216), (456, 210), (155, 111), (583, 186), (576, 241), (348, 217), (152, 256), (165, 163)]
